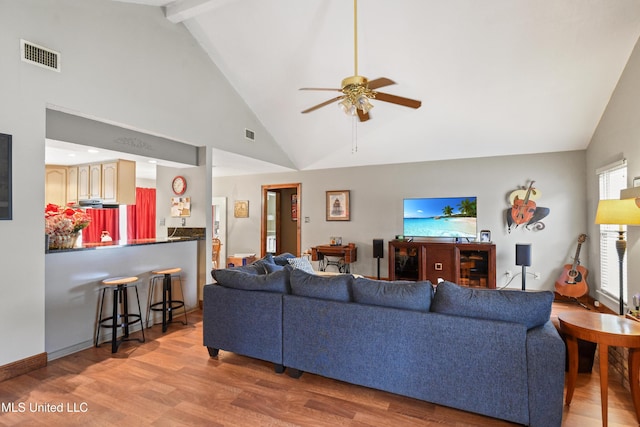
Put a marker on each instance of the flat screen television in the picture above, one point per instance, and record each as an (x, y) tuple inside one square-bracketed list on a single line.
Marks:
[(453, 217)]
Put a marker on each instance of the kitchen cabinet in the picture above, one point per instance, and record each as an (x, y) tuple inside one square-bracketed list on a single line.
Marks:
[(83, 182), (95, 181), (119, 182), (112, 182), (55, 184), (72, 185)]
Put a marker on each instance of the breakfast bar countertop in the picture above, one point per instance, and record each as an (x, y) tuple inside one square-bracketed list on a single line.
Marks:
[(126, 243)]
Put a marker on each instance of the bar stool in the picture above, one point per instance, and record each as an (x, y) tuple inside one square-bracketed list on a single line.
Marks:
[(168, 305), (124, 319)]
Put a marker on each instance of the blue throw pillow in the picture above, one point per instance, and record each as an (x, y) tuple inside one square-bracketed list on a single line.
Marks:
[(267, 264), (528, 308), (237, 279), (397, 294), (335, 288), (283, 258)]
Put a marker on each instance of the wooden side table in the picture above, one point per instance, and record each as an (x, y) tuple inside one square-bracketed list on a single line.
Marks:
[(605, 330)]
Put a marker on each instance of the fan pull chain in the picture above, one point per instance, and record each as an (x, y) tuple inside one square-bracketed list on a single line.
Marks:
[(354, 134)]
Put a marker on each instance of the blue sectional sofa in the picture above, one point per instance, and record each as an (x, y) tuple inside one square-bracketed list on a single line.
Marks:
[(490, 352)]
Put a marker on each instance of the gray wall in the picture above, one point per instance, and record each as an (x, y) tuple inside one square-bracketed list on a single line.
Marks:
[(121, 63), (376, 206), (617, 137)]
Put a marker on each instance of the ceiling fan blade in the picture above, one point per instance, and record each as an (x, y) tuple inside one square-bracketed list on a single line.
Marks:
[(320, 88), (381, 82), (315, 107), (394, 99), (363, 116)]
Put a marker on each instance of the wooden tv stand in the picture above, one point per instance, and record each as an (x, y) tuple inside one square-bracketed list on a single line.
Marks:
[(467, 264)]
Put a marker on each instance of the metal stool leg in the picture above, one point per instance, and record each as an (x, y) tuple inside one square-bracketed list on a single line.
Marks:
[(184, 307), (114, 321), (152, 289), (140, 311), (99, 322)]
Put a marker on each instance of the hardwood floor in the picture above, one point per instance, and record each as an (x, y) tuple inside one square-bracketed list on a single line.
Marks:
[(171, 381)]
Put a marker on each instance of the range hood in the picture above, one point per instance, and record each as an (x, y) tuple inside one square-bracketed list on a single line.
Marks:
[(95, 204)]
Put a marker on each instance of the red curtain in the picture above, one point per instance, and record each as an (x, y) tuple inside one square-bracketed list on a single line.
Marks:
[(141, 217), (101, 220)]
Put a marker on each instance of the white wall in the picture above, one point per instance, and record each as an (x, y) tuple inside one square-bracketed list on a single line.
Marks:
[(617, 137), (376, 206), (122, 63)]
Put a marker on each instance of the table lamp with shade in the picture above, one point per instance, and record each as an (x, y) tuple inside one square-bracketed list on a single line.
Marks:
[(619, 212)]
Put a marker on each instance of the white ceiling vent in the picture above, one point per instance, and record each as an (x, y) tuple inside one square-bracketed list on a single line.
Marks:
[(249, 134), (40, 56)]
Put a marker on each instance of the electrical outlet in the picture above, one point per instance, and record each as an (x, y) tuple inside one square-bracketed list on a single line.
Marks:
[(509, 274), (536, 275)]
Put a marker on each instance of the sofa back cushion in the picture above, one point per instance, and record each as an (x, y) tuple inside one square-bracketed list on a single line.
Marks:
[(398, 294), (277, 281), (528, 308), (336, 288), (249, 268)]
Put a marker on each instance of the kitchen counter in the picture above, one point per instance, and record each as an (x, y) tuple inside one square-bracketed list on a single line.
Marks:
[(125, 243), (73, 279)]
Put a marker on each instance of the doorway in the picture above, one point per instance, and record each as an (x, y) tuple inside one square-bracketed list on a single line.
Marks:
[(280, 226)]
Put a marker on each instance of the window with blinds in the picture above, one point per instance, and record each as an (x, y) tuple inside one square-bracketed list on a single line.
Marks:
[(612, 179)]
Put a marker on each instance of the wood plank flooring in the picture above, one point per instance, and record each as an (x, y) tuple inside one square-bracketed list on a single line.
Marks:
[(171, 381)]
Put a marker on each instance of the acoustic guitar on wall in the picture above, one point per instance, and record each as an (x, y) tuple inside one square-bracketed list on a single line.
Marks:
[(573, 280)]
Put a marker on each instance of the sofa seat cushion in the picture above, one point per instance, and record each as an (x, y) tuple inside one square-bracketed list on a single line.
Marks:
[(528, 308), (335, 288), (398, 294), (277, 281)]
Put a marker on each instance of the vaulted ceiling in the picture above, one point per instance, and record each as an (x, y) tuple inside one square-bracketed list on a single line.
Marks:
[(495, 77)]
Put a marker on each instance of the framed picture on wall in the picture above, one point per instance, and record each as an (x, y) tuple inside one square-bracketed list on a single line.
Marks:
[(338, 205), (5, 177), (241, 209), (294, 207)]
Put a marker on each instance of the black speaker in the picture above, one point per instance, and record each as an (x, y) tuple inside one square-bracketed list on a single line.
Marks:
[(378, 248), (523, 254)]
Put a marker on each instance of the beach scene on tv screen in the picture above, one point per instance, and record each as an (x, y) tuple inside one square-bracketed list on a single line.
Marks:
[(440, 217)]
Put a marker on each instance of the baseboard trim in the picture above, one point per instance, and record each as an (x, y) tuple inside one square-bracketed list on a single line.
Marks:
[(23, 366)]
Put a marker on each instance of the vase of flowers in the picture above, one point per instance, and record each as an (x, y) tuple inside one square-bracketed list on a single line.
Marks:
[(63, 225)]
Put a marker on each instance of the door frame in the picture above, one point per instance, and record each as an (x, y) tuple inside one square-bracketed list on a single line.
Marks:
[(263, 222)]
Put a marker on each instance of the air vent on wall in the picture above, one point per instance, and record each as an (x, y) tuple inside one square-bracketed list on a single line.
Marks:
[(250, 135), (40, 56)]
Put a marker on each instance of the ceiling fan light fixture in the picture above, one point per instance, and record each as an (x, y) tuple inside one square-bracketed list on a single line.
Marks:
[(362, 102), (348, 107)]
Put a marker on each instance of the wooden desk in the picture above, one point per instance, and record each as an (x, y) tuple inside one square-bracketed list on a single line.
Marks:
[(605, 330), (346, 255)]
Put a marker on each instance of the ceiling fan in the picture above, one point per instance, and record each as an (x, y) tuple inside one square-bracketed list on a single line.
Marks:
[(357, 90)]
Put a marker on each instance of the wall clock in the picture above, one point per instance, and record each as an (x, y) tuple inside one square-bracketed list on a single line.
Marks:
[(179, 185)]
